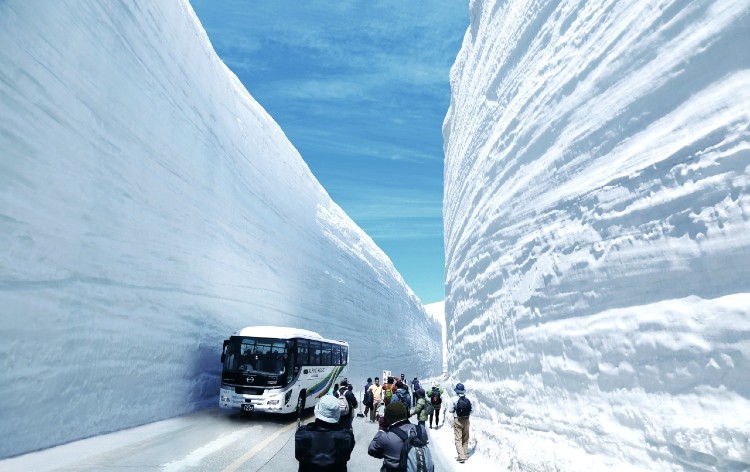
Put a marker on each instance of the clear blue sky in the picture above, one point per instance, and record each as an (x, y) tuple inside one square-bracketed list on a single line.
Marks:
[(361, 89)]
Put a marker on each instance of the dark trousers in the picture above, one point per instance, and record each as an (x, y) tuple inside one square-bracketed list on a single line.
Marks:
[(346, 421), (437, 416)]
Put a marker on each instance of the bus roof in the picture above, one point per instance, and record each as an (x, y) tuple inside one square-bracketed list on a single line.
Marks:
[(283, 332)]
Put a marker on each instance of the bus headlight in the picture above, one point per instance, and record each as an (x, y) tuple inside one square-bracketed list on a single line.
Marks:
[(273, 402)]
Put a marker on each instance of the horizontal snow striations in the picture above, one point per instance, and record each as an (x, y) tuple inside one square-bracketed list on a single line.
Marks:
[(149, 207), (597, 224)]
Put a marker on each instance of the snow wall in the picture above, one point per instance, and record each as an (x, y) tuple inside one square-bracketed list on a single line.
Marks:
[(597, 207), (149, 207)]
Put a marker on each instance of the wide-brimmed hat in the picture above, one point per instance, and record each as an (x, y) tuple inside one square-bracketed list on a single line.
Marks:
[(460, 388), (327, 409)]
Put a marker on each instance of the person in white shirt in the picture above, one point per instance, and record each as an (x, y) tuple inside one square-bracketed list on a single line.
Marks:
[(377, 397)]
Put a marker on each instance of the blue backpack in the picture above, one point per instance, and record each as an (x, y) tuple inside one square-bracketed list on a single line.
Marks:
[(404, 398), (415, 455)]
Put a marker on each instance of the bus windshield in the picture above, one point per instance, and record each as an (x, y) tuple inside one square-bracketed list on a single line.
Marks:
[(261, 355)]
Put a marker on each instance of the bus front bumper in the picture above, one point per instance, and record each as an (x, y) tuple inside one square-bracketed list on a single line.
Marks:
[(275, 402)]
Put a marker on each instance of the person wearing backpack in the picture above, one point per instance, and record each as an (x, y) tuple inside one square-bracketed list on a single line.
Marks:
[(323, 445), (460, 406), (388, 390), (368, 396), (436, 402), (414, 387), (400, 442), (402, 395), (347, 404)]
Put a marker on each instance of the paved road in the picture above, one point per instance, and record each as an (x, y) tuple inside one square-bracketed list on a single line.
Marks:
[(210, 440)]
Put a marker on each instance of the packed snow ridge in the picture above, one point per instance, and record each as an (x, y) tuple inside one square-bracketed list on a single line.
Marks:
[(149, 208), (597, 217)]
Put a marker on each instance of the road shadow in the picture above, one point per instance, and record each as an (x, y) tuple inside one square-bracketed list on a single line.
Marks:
[(236, 418)]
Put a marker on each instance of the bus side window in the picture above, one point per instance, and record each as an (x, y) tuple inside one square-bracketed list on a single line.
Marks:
[(336, 355), (315, 353), (326, 354), (302, 347), (344, 355)]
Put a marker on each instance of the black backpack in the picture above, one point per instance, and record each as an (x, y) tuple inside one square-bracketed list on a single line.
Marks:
[(463, 407), (415, 455)]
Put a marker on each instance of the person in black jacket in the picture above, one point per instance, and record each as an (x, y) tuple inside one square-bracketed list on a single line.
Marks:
[(367, 401), (324, 445), (346, 420)]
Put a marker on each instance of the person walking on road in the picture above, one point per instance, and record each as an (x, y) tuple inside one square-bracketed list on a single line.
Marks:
[(460, 407), (436, 399), (388, 390), (348, 403), (402, 394), (377, 397), (421, 407), (367, 397), (324, 445), (414, 387)]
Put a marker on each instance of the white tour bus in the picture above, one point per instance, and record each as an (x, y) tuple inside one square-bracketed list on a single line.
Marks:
[(279, 370)]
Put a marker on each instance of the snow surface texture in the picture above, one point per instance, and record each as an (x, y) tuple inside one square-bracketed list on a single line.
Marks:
[(149, 207), (597, 207), (437, 312)]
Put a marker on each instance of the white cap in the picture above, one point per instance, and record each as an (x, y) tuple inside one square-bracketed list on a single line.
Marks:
[(327, 409)]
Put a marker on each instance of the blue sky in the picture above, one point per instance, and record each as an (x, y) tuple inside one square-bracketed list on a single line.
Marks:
[(361, 89)]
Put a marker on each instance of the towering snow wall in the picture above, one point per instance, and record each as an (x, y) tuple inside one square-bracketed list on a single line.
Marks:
[(597, 207), (149, 207)]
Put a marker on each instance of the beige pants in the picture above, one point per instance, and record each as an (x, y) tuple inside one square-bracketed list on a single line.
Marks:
[(461, 435), (374, 409)]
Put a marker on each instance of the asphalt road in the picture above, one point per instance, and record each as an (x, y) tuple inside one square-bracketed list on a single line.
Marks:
[(209, 440)]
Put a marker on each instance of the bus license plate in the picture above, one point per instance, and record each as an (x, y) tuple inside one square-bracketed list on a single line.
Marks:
[(247, 407)]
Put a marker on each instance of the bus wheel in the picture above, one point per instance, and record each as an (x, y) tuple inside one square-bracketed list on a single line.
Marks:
[(301, 401)]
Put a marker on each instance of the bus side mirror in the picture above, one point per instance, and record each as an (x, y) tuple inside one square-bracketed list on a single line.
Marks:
[(223, 356)]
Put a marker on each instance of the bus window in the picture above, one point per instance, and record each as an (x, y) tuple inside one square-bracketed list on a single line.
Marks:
[(231, 358), (345, 355), (302, 348), (290, 362), (336, 355), (325, 358), (315, 353), (248, 355)]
